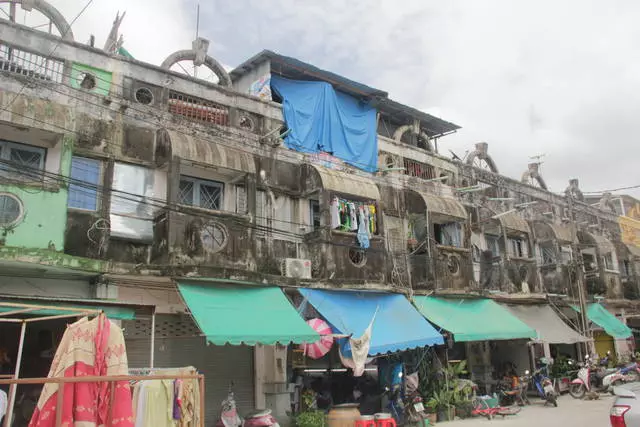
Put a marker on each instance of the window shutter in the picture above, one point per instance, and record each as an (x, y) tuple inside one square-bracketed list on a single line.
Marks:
[(261, 212), (241, 200)]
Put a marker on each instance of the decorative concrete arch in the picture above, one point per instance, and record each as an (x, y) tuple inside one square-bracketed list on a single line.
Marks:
[(534, 173), (481, 152), (198, 54), (397, 135), (50, 12)]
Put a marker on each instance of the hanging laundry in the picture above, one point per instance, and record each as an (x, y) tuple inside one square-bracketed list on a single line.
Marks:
[(363, 233), (352, 217), (335, 213), (372, 219)]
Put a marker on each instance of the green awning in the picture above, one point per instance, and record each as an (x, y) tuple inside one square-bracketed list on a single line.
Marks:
[(473, 319), (245, 315), (52, 307), (607, 321)]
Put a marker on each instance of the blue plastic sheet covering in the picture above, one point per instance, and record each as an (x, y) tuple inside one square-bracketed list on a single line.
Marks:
[(397, 326), (323, 119)]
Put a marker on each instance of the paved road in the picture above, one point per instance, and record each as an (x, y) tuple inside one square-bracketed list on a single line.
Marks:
[(570, 412)]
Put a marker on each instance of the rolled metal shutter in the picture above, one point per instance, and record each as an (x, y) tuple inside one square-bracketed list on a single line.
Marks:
[(223, 366), (177, 344)]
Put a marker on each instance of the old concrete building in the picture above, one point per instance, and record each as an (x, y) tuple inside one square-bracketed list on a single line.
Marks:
[(122, 178)]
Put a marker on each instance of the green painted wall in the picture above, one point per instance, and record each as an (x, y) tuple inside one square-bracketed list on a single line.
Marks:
[(45, 212), (102, 78)]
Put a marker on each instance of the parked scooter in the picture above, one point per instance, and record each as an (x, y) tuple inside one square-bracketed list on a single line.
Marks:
[(229, 416), (626, 374), (591, 378), (543, 385)]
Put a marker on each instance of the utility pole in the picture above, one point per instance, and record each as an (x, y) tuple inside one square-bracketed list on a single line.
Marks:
[(578, 262)]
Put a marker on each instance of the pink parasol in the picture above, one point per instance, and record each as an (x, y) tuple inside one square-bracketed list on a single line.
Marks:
[(321, 347)]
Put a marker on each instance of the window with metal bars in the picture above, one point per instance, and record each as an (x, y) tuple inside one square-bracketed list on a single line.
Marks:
[(202, 193), (198, 109), (24, 161), (418, 169)]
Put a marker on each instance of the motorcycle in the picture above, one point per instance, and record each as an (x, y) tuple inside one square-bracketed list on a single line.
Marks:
[(543, 385), (591, 378), (626, 374)]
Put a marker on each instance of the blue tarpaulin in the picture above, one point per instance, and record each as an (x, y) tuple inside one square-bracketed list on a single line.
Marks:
[(397, 326), (322, 119)]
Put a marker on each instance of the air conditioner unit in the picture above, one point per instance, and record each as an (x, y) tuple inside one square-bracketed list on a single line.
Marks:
[(296, 268)]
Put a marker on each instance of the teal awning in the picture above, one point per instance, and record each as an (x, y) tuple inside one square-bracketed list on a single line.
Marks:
[(607, 321), (245, 314), (55, 307), (473, 319)]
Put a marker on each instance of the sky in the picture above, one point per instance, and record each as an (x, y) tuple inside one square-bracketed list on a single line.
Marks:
[(559, 79)]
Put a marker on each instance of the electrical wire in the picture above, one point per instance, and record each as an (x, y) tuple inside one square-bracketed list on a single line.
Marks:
[(228, 134)]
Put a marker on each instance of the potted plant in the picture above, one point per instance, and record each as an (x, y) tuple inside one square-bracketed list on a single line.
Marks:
[(462, 401), (310, 417), (442, 402)]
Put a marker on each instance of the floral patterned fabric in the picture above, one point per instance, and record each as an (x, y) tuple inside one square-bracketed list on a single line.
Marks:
[(88, 347)]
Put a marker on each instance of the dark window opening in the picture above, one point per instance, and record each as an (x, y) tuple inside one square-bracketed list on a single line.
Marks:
[(314, 209), (448, 234)]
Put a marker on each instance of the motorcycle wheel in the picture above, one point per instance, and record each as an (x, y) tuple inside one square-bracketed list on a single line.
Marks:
[(577, 391)]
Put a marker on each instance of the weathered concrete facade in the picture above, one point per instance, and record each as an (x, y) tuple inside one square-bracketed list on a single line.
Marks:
[(442, 224)]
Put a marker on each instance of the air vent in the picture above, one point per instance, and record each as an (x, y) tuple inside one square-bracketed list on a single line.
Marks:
[(296, 268)]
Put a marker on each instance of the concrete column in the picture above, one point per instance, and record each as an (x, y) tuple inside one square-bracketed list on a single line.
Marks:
[(271, 388)]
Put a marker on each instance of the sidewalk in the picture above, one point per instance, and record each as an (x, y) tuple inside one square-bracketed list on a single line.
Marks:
[(570, 412)]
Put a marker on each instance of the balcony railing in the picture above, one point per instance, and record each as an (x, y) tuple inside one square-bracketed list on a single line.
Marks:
[(30, 64)]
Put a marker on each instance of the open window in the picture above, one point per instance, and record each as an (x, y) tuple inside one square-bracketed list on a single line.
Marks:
[(314, 214), (349, 215), (493, 244), (517, 247), (448, 234)]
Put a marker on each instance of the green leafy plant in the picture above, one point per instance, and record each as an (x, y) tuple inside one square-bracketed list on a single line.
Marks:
[(309, 417), (441, 400)]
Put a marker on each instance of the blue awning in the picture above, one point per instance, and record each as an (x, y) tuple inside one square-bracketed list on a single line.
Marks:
[(398, 326)]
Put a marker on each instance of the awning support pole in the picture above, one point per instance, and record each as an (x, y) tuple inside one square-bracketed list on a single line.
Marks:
[(153, 339), (13, 388)]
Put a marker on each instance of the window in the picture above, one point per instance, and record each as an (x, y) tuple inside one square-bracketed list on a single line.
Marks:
[(314, 211), (476, 253), (83, 188), (11, 210), (132, 213), (626, 267), (24, 159), (449, 234), (214, 237), (517, 248), (608, 261), (548, 255), (201, 193), (418, 169), (567, 254), (493, 245), (357, 257), (241, 200)]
